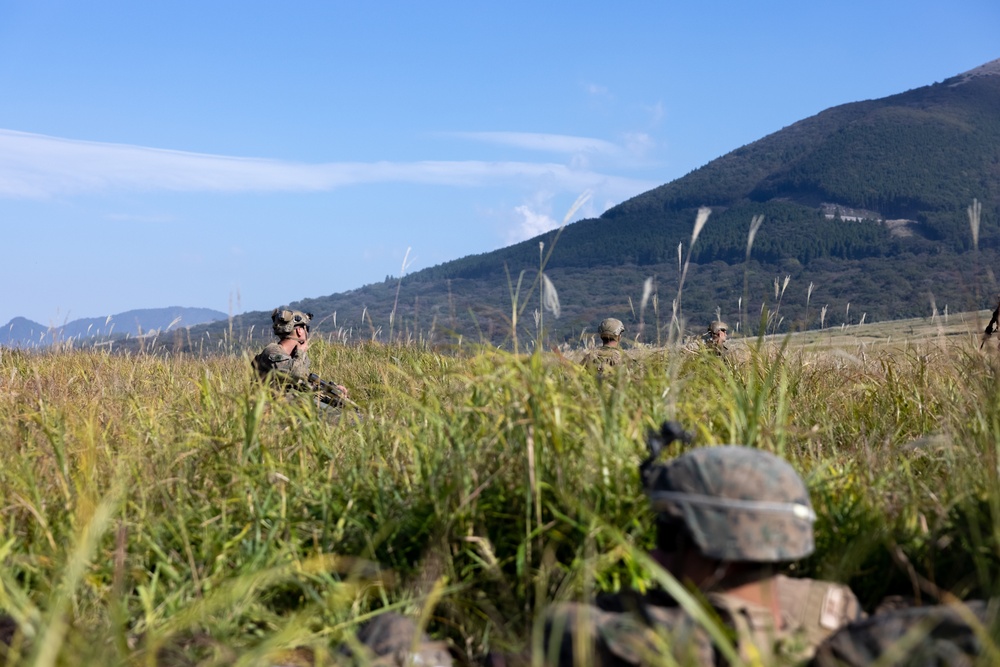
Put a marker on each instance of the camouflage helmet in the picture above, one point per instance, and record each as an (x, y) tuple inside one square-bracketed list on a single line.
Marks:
[(738, 503), (284, 321), (716, 326), (610, 327)]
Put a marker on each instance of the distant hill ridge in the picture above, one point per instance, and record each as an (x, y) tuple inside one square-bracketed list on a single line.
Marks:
[(23, 333), (991, 68), (865, 215)]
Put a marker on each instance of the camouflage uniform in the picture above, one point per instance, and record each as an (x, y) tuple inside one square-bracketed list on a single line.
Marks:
[(602, 361), (943, 636), (273, 362), (735, 505), (707, 341), (290, 368)]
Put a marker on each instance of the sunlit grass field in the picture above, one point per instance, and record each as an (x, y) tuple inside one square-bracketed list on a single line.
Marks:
[(166, 509)]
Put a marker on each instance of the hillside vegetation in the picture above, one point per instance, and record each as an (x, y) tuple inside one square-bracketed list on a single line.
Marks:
[(865, 208), (165, 509)]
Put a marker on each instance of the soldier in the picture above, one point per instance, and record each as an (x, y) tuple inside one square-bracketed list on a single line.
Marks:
[(603, 360), (286, 363), (716, 336), (727, 517)]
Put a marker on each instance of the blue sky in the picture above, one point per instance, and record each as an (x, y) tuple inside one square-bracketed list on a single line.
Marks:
[(241, 155)]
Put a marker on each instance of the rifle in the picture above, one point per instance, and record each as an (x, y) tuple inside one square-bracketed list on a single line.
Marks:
[(330, 393)]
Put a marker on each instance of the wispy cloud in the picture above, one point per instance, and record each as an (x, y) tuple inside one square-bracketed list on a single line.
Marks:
[(639, 143), (582, 152), (39, 166), (596, 89), (147, 219), (552, 143), (656, 113)]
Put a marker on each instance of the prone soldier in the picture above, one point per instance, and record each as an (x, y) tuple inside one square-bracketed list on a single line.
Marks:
[(727, 517)]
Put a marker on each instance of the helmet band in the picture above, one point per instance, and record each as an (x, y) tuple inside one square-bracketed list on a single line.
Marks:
[(659, 499)]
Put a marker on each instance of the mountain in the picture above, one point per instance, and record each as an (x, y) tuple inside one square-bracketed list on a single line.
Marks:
[(21, 332), (865, 217), (920, 156)]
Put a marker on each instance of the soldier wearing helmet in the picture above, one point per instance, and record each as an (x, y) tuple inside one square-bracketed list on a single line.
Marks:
[(727, 517), (603, 360), (287, 359), (713, 339), (716, 336), (286, 362)]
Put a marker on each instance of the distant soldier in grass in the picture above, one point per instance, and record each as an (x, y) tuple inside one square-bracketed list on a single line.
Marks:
[(716, 336), (603, 360), (727, 518), (714, 339), (286, 362)]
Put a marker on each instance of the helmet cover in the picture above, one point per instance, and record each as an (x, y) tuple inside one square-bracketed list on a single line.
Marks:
[(284, 321), (738, 503), (611, 327)]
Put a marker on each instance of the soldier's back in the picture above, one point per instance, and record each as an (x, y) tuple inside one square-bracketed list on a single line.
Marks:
[(273, 359), (628, 629), (604, 360)]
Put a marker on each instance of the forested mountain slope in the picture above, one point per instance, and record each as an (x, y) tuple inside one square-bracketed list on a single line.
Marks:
[(865, 211)]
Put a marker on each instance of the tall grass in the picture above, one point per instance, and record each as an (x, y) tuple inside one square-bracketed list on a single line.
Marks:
[(546, 298), (167, 508)]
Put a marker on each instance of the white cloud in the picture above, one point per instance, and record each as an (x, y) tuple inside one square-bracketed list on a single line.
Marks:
[(532, 224), (39, 166), (535, 216)]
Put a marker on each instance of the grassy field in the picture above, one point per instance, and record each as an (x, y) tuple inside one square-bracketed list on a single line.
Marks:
[(165, 509), (957, 328)]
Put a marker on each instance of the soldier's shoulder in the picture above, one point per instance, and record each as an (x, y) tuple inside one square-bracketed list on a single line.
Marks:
[(274, 352), (272, 358), (820, 607)]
